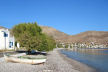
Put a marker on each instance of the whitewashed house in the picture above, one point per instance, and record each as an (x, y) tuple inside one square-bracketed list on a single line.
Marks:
[(7, 41)]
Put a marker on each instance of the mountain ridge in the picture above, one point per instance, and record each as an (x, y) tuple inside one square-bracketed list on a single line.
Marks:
[(99, 37)]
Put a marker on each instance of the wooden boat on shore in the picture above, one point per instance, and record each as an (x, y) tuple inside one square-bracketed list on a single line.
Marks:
[(25, 59)]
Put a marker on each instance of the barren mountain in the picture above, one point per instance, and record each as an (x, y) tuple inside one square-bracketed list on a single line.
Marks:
[(99, 37), (57, 35)]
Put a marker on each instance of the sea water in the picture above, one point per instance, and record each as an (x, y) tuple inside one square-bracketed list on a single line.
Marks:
[(96, 58)]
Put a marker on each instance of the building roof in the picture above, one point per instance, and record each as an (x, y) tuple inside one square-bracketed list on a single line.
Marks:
[(2, 27)]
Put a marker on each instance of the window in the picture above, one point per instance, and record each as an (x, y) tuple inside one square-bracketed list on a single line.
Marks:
[(5, 35), (10, 44)]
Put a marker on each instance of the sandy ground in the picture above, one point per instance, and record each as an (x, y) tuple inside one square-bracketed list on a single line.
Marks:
[(56, 62)]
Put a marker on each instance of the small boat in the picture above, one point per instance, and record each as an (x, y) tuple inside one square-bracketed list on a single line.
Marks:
[(25, 59)]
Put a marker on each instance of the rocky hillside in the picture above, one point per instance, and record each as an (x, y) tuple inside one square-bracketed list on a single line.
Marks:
[(99, 37), (92, 36), (57, 35)]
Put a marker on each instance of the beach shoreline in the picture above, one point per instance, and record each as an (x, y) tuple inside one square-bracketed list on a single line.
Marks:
[(77, 65), (56, 62)]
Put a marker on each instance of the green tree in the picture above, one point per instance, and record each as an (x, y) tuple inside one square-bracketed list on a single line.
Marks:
[(66, 46), (60, 45), (30, 36)]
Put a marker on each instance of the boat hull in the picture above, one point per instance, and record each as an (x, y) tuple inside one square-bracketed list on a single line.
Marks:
[(27, 61)]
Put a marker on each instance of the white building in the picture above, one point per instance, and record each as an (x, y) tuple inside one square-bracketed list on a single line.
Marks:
[(7, 41)]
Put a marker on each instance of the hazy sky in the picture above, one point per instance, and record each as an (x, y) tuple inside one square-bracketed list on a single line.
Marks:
[(69, 16)]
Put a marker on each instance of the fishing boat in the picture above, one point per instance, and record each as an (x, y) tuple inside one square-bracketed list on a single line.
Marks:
[(26, 59)]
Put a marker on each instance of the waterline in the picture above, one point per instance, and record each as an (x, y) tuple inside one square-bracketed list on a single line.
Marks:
[(94, 58)]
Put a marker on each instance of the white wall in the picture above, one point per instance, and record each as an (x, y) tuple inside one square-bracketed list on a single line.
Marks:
[(11, 39), (2, 39)]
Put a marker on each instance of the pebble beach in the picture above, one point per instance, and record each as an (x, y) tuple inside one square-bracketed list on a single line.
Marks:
[(56, 62)]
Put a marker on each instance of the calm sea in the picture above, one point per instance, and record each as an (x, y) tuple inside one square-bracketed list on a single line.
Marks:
[(96, 58)]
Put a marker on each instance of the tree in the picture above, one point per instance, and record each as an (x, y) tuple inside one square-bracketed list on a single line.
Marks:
[(60, 45), (66, 46), (48, 43), (30, 36)]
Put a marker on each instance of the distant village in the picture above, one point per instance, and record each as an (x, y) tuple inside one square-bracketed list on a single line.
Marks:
[(81, 45)]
